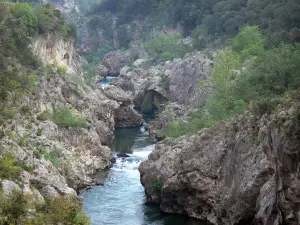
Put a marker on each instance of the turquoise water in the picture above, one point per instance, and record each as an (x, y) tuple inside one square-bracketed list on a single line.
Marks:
[(120, 201), (106, 82)]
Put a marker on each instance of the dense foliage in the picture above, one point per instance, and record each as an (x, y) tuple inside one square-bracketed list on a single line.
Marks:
[(19, 23), (65, 117), (208, 20), (16, 208), (246, 76), (166, 47)]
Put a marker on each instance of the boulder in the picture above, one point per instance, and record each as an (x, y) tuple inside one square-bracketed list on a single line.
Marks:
[(9, 187), (117, 94), (126, 116), (114, 61)]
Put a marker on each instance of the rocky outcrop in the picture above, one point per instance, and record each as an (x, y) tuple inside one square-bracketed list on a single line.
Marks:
[(174, 81), (239, 172), (170, 113), (55, 51), (64, 159), (113, 62)]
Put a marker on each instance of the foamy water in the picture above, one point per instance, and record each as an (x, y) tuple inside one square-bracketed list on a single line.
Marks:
[(120, 201)]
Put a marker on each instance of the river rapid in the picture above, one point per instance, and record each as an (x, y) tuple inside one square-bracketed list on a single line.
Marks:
[(120, 200)]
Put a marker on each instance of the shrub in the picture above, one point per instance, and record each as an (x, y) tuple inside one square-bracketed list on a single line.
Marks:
[(8, 167), (27, 16), (39, 132), (13, 208), (157, 186), (23, 141), (65, 117), (45, 115), (62, 70), (249, 42), (53, 156), (166, 47), (66, 210), (165, 83)]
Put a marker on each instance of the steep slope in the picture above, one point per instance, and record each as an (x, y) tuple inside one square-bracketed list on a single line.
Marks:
[(236, 172)]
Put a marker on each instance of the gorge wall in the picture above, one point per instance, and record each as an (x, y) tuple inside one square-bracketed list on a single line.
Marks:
[(61, 160), (240, 172)]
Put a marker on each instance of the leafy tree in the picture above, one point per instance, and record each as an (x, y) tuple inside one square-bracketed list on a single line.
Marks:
[(166, 47)]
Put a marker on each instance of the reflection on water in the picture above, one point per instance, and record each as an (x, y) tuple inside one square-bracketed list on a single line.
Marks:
[(120, 201)]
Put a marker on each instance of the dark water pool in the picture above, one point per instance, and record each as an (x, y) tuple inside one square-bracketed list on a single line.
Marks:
[(120, 201)]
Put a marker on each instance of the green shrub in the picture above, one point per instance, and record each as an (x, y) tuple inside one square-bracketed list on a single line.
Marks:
[(45, 115), (65, 117), (27, 16), (166, 47), (65, 210), (53, 155), (8, 167), (165, 83), (13, 208), (264, 106), (176, 129), (52, 20), (157, 186), (249, 42), (39, 132), (25, 109), (23, 141), (62, 70), (17, 209), (77, 80)]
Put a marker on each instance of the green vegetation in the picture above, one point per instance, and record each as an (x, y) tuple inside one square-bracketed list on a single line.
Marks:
[(53, 156), (65, 117), (19, 24), (8, 167), (207, 21), (166, 47), (157, 186), (245, 76), (43, 116), (14, 209), (62, 70), (52, 20)]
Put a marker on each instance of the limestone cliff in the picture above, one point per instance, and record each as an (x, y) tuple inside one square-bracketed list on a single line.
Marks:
[(55, 51), (60, 160), (245, 171)]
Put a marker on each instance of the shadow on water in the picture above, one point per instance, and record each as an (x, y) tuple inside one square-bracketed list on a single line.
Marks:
[(120, 200)]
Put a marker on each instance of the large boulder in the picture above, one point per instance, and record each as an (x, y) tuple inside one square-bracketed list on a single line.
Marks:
[(239, 172), (114, 61), (126, 116), (117, 94)]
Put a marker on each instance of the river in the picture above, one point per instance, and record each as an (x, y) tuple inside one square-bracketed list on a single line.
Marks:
[(120, 200)]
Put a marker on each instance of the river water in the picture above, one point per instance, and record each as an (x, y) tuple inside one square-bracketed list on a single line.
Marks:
[(120, 201)]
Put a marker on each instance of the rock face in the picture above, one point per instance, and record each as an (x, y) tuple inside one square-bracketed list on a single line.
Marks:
[(64, 159), (113, 62), (53, 50), (239, 172), (174, 81)]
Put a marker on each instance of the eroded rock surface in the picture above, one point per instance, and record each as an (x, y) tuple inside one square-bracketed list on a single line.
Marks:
[(239, 172)]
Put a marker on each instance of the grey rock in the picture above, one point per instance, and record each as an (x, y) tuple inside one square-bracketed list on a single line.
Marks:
[(9, 186), (235, 172)]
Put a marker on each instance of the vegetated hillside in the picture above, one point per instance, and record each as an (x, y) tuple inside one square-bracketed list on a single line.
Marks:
[(245, 76), (279, 20), (21, 201), (19, 24), (115, 24)]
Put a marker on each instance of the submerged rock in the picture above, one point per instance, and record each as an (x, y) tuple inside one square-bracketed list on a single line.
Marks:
[(122, 154)]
